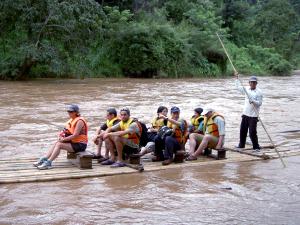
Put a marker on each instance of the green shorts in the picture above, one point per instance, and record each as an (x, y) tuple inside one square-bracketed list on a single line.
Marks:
[(212, 142)]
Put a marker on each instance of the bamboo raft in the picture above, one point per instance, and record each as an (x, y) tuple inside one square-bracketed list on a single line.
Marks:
[(21, 170)]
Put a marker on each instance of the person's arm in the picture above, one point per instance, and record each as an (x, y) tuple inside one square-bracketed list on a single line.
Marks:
[(221, 128), (78, 128), (220, 142), (178, 123), (110, 130), (131, 129), (239, 86), (257, 101)]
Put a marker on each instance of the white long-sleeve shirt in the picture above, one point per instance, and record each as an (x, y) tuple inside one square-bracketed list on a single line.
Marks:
[(256, 97)]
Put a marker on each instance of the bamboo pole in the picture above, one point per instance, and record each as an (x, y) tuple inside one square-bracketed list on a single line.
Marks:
[(255, 109)]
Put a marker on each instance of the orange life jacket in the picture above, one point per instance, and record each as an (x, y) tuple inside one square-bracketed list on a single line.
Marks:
[(71, 124), (179, 131), (210, 127), (134, 137)]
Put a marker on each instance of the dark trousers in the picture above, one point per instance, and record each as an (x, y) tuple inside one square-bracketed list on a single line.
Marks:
[(159, 146), (171, 147), (251, 124)]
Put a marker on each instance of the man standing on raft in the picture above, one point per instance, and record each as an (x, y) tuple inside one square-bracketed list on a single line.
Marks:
[(250, 115)]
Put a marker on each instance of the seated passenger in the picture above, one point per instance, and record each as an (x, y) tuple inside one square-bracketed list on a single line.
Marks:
[(124, 137), (72, 139), (156, 124), (166, 147), (213, 137), (196, 125), (111, 119)]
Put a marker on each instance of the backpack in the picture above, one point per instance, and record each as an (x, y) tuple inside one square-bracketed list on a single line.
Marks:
[(144, 136)]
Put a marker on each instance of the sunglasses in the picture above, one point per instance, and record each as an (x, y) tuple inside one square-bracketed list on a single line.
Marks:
[(70, 111)]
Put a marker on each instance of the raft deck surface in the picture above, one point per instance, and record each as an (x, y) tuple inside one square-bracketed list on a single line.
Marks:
[(21, 170)]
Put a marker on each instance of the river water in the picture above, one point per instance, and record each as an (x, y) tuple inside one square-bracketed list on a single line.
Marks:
[(33, 112)]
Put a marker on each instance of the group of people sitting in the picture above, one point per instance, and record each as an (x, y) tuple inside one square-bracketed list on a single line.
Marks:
[(123, 136)]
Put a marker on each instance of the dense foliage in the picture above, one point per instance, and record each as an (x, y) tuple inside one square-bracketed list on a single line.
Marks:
[(142, 38)]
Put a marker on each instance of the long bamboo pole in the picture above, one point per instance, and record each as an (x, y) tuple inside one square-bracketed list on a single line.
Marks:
[(255, 109)]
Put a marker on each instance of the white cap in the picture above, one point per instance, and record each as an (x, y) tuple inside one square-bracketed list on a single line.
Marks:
[(207, 110)]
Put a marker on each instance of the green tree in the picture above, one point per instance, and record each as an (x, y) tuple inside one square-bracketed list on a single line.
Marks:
[(45, 32)]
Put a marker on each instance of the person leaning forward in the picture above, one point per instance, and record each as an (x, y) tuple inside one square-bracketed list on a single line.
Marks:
[(124, 136), (250, 115), (111, 120), (72, 139), (171, 144), (213, 137)]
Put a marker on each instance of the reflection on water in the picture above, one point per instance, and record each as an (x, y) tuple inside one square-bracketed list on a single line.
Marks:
[(246, 193)]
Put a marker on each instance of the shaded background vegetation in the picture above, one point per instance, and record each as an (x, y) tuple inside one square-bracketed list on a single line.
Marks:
[(143, 38)]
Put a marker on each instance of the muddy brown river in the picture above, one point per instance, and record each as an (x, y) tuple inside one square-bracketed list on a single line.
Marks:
[(260, 192)]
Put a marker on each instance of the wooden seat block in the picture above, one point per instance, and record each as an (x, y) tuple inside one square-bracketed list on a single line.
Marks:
[(83, 160), (71, 155), (221, 154), (134, 159)]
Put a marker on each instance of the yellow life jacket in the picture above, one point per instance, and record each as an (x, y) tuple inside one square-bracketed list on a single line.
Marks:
[(71, 125), (210, 127), (134, 137), (158, 123), (110, 123), (179, 132), (195, 121)]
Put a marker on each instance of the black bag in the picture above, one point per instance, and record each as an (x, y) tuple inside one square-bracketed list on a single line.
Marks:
[(144, 136), (165, 131)]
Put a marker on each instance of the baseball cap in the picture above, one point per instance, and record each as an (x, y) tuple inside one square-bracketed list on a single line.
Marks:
[(175, 109), (253, 78), (112, 111), (206, 110), (72, 108)]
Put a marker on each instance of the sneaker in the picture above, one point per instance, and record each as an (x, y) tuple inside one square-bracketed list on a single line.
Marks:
[(46, 165), (39, 162), (239, 148), (256, 150)]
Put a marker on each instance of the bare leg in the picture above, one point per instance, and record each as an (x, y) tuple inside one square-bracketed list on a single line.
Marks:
[(50, 151), (109, 144), (203, 144), (58, 147), (119, 146), (98, 147), (193, 142), (106, 154)]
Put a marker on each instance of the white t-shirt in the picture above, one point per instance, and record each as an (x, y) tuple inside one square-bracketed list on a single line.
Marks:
[(255, 96)]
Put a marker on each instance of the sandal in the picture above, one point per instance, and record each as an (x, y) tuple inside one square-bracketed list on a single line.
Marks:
[(191, 158), (102, 159), (118, 164), (107, 162), (95, 156)]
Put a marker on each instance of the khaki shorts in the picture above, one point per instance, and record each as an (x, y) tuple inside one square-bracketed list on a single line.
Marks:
[(212, 142)]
